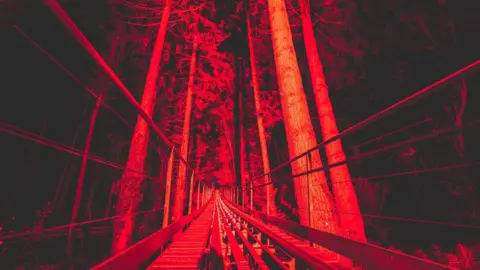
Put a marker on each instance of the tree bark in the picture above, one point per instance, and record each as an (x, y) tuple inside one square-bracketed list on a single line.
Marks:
[(269, 191), (130, 196), (312, 193), (238, 129), (200, 152), (93, 119), (168, 187), (351, 222), (179, 205), (190, 192)]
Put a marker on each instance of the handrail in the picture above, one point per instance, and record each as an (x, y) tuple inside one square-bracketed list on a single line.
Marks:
[(62, 15), (265, 249), (438, 133), (240, 260), (216, 241), (259, 263), (134, 256), (457, 75), (314, 262), (367, 254)]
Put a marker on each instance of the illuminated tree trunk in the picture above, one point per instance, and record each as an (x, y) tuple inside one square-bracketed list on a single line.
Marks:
[(239, 153), (311, 192), (83, 167), (130, 196), (93, 119), (168, 187), (229, 144), (190, 192), (200, 152), (242, 148), (346, 200), (271, 207), (198, 194), (178, 207)]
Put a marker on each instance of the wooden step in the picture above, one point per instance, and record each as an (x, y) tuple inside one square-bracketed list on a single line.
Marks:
[(187, 248)]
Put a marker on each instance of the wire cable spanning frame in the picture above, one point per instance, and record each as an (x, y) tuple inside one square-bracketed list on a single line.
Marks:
[(455, 76)]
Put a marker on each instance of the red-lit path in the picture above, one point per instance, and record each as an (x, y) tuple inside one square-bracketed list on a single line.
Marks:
[(223, 236), (188, 247)]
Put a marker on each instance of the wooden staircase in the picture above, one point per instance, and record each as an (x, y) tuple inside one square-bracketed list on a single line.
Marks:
[(188, 247)]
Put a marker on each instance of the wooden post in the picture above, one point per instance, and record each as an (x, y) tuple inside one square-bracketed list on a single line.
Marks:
[(237, 199), (190, 195), (198, 194), (168, 185), (251, 195)]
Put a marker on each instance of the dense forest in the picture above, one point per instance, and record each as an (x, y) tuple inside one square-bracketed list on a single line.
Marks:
[(210, 75)]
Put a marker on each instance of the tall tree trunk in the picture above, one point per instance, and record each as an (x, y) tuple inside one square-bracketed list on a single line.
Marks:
[(237, 123), (190, 192), (168, 187), (240, 135), (346, 200), (230, 147), (271, 207), (200, 152), (179, 205), (130, 196), (102, 83), (312, 193)]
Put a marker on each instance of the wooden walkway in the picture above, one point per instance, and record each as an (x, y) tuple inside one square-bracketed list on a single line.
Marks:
[(188, 247)]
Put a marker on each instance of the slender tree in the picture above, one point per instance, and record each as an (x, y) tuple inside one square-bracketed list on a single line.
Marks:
[(200, 150), (168, 185), (312, 194), (239, 141), (93, 119), (271, 207), (346, 200), (180, 185), (130, 196)]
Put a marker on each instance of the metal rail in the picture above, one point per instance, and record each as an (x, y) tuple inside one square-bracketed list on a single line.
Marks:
[(257, 262), (455, 76), (312, 261), (214, 259), (366, 254), (240, 260), (278, 263), (73, 29)]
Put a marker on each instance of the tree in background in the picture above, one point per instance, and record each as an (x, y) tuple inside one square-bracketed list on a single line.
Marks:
[(316, 209), (129, 194), (179, 204), (346, 200)]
